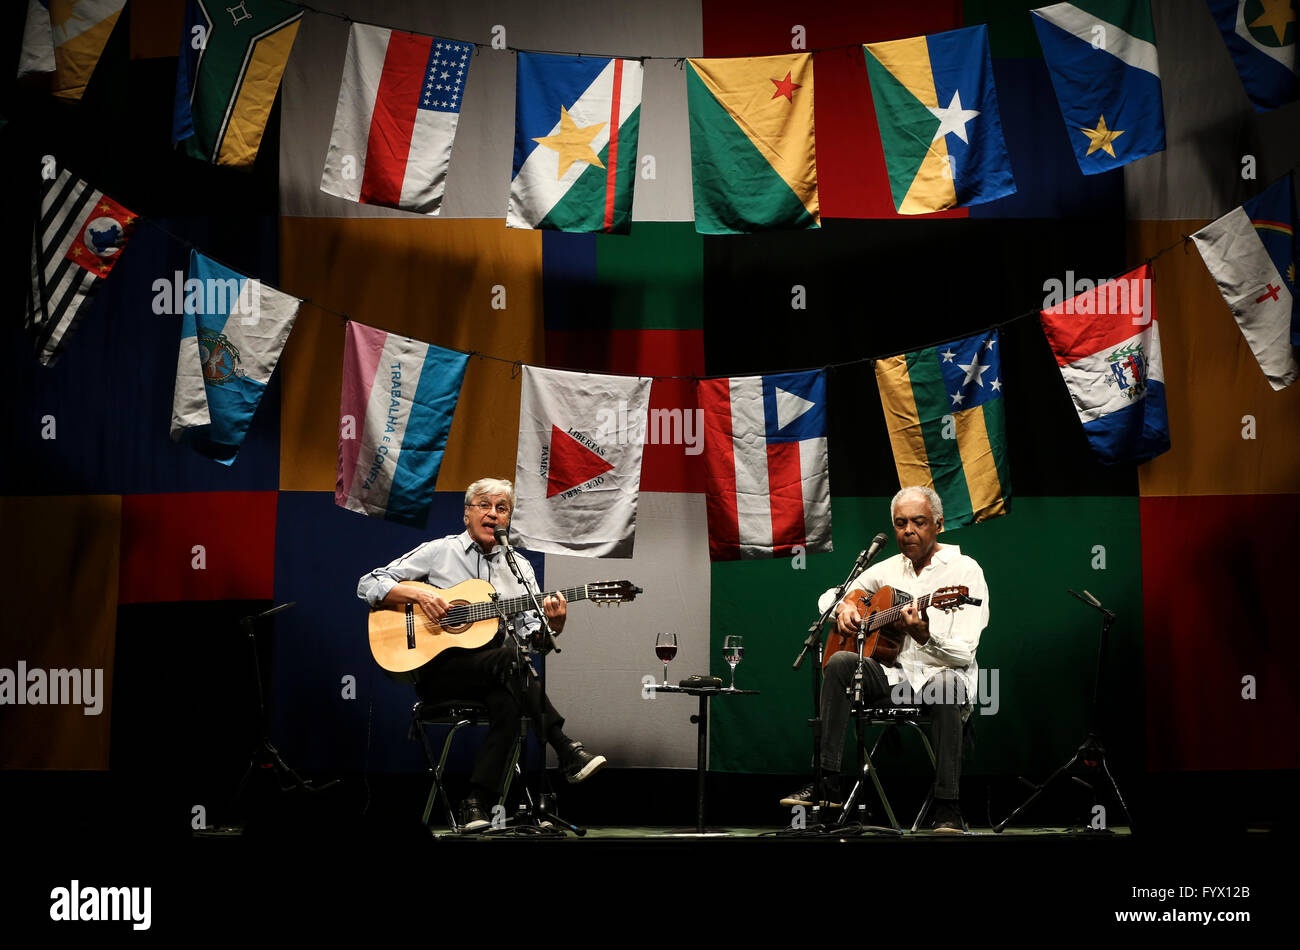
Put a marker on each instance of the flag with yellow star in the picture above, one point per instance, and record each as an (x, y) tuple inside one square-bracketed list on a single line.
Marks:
[(576, 125), (1261, 36), (1101, 55), (947, 424), (78, 237), (753, 153)]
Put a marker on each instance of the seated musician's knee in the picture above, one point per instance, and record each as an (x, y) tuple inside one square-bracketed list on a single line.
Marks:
[(945, 689)]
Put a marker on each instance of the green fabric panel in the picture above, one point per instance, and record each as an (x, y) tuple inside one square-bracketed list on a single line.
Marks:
[(736, 190), (906, 147), (1133, 18), (1011, 27), (995, 422), (932, 404), (583, 207), (654, 276), (1040, 640)]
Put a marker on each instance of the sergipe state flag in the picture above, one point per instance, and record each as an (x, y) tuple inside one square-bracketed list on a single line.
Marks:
[(1261, 36), (399, 398), (231, 61), (767, 469), (940, 129), (576, 126), (66, 38), (1250, 252), (399, 106), (947, 425), (1107, 343), (578, 471), (753, 152), (1101, 55), (232, 333), (78, 236)]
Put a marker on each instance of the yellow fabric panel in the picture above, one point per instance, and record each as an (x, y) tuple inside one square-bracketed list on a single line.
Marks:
[(781, 130), (59, 620), (256, 96), (909, 62), (428, 279), (903, 421), (156, 28), (979, 465), (933, 188), (1212, 381), (75, 59)]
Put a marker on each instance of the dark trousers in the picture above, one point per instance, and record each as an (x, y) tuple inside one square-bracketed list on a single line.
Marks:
[(945, 728), (489, 676)]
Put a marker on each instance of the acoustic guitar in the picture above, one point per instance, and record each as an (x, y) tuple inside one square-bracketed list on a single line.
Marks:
[(403, 638), (884, 609)]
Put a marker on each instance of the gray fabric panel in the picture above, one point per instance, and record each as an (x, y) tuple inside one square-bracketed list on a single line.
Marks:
[(478, 181), (1209, 125), (596, 681)]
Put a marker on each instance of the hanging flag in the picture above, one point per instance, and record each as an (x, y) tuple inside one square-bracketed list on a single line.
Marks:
[(1261, 37), (1107, 343), (753, 154), (1250, 252), (231, 336), (66, 38), (576, 125), (1102, 59), (231, 61), (79, 235), (399, 104), (767, 471), (399, 397), (947, 425), (939, 124), (578, 473)]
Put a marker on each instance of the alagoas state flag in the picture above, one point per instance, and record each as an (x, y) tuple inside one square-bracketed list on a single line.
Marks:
[(1101, 55), (753, 152), (578, 472), (947, 424), (399, 397), (1107, 344), (939, 123), (576, 125)]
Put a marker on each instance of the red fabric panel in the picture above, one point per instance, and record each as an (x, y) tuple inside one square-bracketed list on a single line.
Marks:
[(785, 479), (1214, 583), (160, 532), (724, 520), (389, 144), (851, 178)]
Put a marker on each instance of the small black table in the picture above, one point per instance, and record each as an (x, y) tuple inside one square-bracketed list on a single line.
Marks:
[(702, 721)]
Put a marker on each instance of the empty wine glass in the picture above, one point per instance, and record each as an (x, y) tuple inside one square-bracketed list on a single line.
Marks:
[(666, 649), (733, 651)]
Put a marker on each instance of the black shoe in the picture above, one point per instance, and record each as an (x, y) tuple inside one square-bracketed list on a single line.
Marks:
[(472, 817), (947, 818), (804, 796), (578, 764)]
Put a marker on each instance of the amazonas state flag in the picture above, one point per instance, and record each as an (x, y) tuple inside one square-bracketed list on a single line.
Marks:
[(576, 125), (399, 397), (947, 425), (1107, 343), (767, 469), (939, 123), (753, 153)]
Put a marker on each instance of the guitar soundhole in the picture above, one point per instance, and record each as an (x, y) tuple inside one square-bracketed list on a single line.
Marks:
[(460, 628)]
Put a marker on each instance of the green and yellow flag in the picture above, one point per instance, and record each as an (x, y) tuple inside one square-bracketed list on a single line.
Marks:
[(947, 425), (753, 155)]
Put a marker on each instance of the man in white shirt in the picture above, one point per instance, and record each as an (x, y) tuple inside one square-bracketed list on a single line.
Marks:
[(936, 666), (488, 674)]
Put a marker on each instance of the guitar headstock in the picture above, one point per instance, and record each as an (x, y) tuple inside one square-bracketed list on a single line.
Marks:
[(952, 598), (612, 592)]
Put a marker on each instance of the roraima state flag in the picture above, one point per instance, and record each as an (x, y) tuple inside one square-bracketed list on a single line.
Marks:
[(578, 472), (1107, 343), (767, 470)]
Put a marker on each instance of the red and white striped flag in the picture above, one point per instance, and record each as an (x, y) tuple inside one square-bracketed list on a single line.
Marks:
[(767, 469), (399, 102)]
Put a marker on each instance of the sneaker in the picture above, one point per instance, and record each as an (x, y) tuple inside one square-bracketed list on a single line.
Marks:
[(578, 764), (472, 817), (804, 796), (947, 818)]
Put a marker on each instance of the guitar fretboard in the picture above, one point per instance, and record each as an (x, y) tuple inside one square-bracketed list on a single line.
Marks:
[(885, 617), (463, 614)]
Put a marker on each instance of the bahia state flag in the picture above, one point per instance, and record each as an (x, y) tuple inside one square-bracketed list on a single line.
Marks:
[(66, 38), (1107, 343), (1101, 55), (576, 125), (947, 424), (399, 105), (78, 237), (1250, 252), (399, 397), (939, 124), (232, 333), (1261, 36), (767, 469), (753, 153), (578, 471), (231, 61)]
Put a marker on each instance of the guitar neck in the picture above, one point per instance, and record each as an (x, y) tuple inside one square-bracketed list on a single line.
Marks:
[(885, 617), (473, 613)]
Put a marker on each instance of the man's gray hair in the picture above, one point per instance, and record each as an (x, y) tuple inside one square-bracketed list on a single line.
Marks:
[(490, 486), (929, 494)]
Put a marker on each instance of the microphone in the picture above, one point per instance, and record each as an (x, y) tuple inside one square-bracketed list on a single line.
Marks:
[(869, 555)]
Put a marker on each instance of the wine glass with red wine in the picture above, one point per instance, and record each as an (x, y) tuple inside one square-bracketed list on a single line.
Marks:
[(666, 649), (733, 651)]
